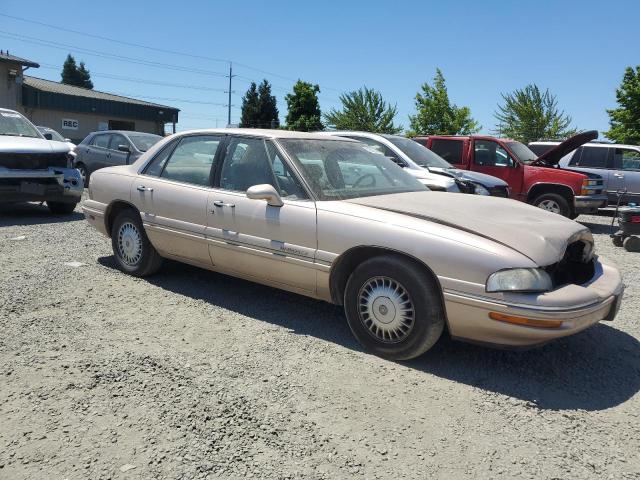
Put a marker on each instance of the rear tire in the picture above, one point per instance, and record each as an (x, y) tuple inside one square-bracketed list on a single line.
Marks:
[(61, 208), (393, 307), (132, 249), (552, 202)]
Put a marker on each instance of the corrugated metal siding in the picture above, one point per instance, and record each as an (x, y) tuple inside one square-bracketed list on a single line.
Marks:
[(34, 98)]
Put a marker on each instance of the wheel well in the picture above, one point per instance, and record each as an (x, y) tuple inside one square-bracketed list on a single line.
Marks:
[(114, 209), (346, 263), (543, 188)]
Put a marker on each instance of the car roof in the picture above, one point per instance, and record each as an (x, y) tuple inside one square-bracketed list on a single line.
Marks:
[(124, 132), (8, 110), (260, 132)]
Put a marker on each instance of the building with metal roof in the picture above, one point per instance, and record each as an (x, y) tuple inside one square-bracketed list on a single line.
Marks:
[(75, 111)]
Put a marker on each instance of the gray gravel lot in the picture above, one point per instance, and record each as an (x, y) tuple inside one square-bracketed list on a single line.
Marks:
[(191, 374)]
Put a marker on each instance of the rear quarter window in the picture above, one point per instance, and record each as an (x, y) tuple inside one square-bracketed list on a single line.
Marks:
[(450, 150)]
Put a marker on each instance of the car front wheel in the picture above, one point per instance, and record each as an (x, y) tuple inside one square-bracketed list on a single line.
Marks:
[(552, 202), (393, 307), (132, 249)]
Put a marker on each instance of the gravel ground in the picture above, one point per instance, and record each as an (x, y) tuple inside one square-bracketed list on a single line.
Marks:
[(191, 374)]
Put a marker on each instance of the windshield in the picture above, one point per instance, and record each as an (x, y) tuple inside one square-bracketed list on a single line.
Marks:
[(522, 152), (15, 125), (338, 169), (418, 153), (54, 135), (145, 141)]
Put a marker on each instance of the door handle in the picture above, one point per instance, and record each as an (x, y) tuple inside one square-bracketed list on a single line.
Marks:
[(618, 175), (142, 188), (220, 203)]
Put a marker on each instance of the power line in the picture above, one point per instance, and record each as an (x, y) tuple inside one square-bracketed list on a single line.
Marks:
[(155, 49), (183, 100)]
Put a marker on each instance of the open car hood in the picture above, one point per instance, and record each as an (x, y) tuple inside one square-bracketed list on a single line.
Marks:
[(551, 157)]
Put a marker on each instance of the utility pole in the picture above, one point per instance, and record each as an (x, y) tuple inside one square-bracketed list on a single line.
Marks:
[(231, 75)]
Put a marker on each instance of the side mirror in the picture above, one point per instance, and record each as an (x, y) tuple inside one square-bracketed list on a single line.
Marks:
[(124, 148), (48, 136), (265, 192), (67, 140)]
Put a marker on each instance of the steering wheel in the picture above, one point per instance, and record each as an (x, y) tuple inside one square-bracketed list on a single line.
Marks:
[(366, 175)]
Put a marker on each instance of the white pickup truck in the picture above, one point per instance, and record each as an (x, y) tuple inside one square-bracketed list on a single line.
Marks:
[(35, 169)]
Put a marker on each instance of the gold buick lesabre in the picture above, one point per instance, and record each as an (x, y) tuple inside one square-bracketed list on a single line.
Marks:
[(328, 218)]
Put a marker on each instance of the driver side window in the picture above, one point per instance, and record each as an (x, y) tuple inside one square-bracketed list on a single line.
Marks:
[(489, 154)]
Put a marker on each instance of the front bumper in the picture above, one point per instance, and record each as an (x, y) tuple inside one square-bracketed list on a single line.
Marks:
[(589, 203), (53, 183), (577, 306)]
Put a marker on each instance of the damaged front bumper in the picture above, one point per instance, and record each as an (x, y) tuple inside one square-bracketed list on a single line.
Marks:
[(589, 203), (51, 184)]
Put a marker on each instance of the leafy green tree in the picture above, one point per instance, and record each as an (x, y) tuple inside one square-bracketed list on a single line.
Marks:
[(436, 115), (267, 107), (529, 114), (85, 76), (250, 108), (303, 108), (625, 120), (364, 110), (74, 75)]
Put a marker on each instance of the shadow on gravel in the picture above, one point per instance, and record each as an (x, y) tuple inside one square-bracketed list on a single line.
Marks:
[(594, 370), (33, 214)]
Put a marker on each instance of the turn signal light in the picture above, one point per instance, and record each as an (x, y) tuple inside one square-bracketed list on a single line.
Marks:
[(528, 322)]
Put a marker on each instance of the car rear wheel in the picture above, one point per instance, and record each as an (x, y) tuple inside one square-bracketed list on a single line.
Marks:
[(393, 307), (132, 249), (61, 208), (552, 202)]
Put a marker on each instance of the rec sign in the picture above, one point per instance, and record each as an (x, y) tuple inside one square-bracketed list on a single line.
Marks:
[(69, 124)]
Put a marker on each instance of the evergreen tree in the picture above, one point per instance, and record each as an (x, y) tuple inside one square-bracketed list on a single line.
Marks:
[(436, 115), (625, 120), (303, 108), (364, 110), (85, 76), (267, 107), (250, 117)]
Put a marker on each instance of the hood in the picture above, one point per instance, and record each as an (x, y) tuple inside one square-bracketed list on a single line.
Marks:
[(31, 145), (477, 177), (535, 233), (553, 156)]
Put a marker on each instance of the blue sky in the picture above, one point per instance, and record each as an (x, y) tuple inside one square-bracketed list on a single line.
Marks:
[(577, 49)]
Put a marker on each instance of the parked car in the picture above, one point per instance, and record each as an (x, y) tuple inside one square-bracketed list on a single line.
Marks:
[(110, 148), (430, 169), (618, 165), (532, 179), (325, 217), (33, 168), (51, 134)]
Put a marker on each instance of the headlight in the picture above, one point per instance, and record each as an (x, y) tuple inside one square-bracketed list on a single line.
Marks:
[(481, 190), (519, 280)]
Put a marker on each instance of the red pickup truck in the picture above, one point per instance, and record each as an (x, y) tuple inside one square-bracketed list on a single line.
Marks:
[(532, 179)]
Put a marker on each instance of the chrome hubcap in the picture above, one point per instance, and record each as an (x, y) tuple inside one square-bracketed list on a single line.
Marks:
[(129, 244), (549, 206), (386, 309)]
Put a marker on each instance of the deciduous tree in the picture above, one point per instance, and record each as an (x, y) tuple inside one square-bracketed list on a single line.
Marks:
[(625, 120), (303, 108)]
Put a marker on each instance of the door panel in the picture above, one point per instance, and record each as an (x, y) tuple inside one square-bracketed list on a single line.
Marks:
[(275, 244), (491, 158), (174, 216), (626, 162)]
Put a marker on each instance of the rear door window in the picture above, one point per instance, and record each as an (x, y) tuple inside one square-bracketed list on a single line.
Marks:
[(450, 150), (591, 157), (626, 159), (192, 160), (101, 141)]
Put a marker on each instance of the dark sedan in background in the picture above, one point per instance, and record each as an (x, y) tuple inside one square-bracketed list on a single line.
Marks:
[(109, 148)]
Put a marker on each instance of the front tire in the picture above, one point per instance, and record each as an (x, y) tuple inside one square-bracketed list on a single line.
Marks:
[(84, 173), (61, 208), (552, 202), (393, 307), (132, 249)]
